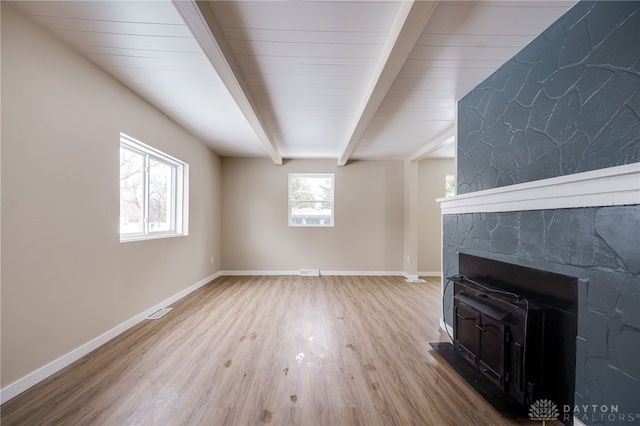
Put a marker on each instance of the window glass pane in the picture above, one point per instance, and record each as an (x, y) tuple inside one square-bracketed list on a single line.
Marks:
[(311, 200), (311, 188), (449, 185), (131, 191), (160, 196), (310, 213)]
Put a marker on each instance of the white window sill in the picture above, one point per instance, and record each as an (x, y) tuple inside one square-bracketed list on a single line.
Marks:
[(150, 237)]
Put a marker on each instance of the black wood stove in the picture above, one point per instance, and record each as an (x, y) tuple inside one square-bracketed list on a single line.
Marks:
[(514, 332), (502, 335)]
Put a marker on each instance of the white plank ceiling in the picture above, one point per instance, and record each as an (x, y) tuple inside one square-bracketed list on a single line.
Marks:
[(348, 80)]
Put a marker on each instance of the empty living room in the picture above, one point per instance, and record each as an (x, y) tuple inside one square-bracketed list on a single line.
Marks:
[(396, 212)]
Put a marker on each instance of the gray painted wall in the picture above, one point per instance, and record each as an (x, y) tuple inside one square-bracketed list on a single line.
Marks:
[(569, 102)]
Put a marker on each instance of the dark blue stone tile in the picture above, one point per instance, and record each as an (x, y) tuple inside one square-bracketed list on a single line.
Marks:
[(583, 291), (562, 80), (497, 135), (630, 303), (582, 238), (495, 109), (561, 125), (545, 166), (615, 322), (557, 238), (595, 371), (508, 218), (530, 87), (634, 102), (505, 179), (626, 347), (450, 229), (520, 150), (517, 116), (573, 151), (623, 240), (541, 111), (532, 53), (605, 104), (504, 240), (621, 390), (576, 46), (581, 364), (597, 335), (481, 156), (629, 153), (557, 37), (532, 233), (605, 257), (592, 80), (620, 47), (503, 161), (539, 143), (605, 16), (518, 72), (604, 290)]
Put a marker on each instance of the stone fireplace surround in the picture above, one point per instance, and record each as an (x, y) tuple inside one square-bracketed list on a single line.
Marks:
[(548, 170), (585, 225)]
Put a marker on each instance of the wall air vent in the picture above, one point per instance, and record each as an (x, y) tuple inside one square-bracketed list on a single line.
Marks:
[(159, 313), (309, 272)]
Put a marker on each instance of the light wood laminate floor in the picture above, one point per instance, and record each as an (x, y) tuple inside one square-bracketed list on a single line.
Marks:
[(269, 350)]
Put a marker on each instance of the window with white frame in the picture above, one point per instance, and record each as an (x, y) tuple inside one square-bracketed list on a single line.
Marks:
[(153, 192), (311, 199), (449, 185)]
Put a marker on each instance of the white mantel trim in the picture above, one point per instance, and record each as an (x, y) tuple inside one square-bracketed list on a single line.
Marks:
[(613, 186)]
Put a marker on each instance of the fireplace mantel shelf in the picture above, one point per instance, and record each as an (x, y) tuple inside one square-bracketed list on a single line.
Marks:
[(613, 186)]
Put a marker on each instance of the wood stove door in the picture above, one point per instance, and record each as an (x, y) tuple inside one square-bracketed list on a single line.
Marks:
[(467, 335), (492, 349)]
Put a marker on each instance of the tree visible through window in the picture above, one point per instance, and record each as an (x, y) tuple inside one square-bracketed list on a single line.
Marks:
[(151, 192), (311, 199), (449, 185)]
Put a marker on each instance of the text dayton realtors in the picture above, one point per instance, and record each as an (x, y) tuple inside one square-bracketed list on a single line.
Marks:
[(594, 413)]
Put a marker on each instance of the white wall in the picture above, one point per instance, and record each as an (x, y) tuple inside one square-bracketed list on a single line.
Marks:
[(431, 185), (368, 232), (66, 278)]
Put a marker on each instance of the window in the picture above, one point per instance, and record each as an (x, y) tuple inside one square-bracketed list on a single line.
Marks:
[(310, 199), (449, 185), (152, 192)]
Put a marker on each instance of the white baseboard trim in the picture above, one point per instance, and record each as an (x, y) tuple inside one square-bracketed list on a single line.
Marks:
[(42, 373), (256, 273), (363, 273), (429, 273), (322, 272)]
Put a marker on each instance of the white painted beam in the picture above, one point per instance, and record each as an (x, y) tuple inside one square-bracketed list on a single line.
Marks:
[(204, 26), (407, 28), (443, 139)]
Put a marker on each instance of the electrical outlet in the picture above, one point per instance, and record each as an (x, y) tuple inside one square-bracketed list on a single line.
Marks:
[(212, 260)]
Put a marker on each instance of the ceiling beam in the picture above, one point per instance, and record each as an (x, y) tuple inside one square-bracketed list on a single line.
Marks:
[(199, 17), (405, 31), (444, 138)]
